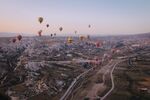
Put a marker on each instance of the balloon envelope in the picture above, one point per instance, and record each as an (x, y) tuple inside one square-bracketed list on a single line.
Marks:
[(89, 26), (60, 28), (69, 40), (19, 37), (98, 44), (40, 33), (75, 32), (14, 40), (47, 25), (88, 36), (82, 38), (40, 19)]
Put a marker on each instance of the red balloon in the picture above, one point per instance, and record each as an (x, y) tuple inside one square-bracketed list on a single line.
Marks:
[(98, 44), (19, 37), (40, 33), (14, 40)]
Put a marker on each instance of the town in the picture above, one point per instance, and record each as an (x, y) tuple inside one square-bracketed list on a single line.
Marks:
[(76, 68)]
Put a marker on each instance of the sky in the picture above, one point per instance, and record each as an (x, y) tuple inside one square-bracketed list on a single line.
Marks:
[(106, 17)]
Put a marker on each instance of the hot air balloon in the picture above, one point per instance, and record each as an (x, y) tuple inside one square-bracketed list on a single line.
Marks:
[(54, 34), (60, 28), (40, 19), (89, 26), (19, 37), (88, 36), (69, 40), (51, 35), (75, 32), (40, 33), (47, 25), (97, 44), (82, 38), (14, 40)]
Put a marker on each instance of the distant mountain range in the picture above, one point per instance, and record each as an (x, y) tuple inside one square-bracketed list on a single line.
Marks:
[(9, 34), (4, 34), (144, 35)]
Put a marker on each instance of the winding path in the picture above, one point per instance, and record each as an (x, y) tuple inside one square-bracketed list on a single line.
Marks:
[(112, 81)]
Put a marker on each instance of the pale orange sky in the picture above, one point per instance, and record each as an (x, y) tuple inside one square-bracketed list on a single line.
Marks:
[(106, 17)]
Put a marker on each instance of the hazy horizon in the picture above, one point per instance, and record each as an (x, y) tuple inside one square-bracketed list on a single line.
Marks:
[(113, 17)]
